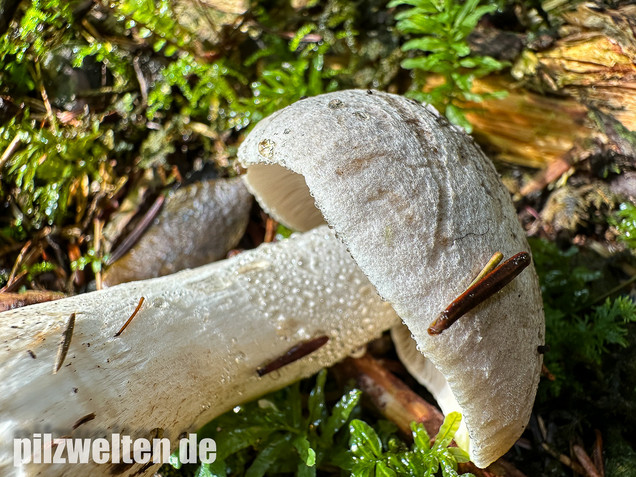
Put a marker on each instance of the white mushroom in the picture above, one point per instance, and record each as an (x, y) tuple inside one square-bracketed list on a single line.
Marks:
[(421, 210), (190, 354)]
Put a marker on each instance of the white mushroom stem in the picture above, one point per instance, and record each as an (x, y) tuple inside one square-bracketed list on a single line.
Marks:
[(192, 351)]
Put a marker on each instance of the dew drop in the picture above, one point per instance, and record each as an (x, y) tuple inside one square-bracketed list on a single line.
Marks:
[(160, 302)]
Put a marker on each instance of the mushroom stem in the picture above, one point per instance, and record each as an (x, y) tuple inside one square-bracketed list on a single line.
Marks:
[(191, 353)]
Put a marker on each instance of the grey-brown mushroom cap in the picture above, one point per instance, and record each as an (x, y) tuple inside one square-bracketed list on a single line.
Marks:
[(197, 224), (421, 210)]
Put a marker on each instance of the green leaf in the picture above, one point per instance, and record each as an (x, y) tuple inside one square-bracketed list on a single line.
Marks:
[(427, 43), (467, 7), (418, 23), (449, 468), (302, 32), (307, 454), (158, 45), (460, 49), (295, 404), (624, 219), (415, 3), (471, 20), (421, 438), (363, 469), (463, 82), (459, 455), (383, 470), (363, 440), (427, 63), (237, 439), (174, 460), (447, 430), (316, 402), (204, 471), (273, 449), (340, 414), (457, 117), (304, 470)]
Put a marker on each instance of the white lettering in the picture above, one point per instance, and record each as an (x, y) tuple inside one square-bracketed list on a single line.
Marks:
[(43, 448), (78, 450), (48, 442), (188, 449), (126, 441), (58, 457), (21, 451), (100, 451), (141, 452), (207, 451), (36, 455), (115, 448), (161, 451)]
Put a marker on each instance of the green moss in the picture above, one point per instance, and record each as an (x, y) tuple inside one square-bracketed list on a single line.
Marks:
[(439, 30)]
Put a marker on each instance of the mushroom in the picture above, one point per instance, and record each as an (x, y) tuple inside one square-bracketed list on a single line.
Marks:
[(192, 351), (198, 224), (421, 209), (413, 201)]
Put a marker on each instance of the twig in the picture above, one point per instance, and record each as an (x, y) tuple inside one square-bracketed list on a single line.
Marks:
[(97, 239), (64, 344), (45, 98), (546, 373), (270, 230), (16, 264), (614, 290), (143, 86), (134, 313), (597, 453), (564, 459), (394, 399), (74, 254), (10, 287), (137, 232), (542, 429), (8, 152), (586, 462), (203, 130), (9, 300), (295, 353), (489, 267), (84, 420), (176, 174)]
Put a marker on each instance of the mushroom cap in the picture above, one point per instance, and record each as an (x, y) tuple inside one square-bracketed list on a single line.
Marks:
[(198, 224), (421, 210)]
